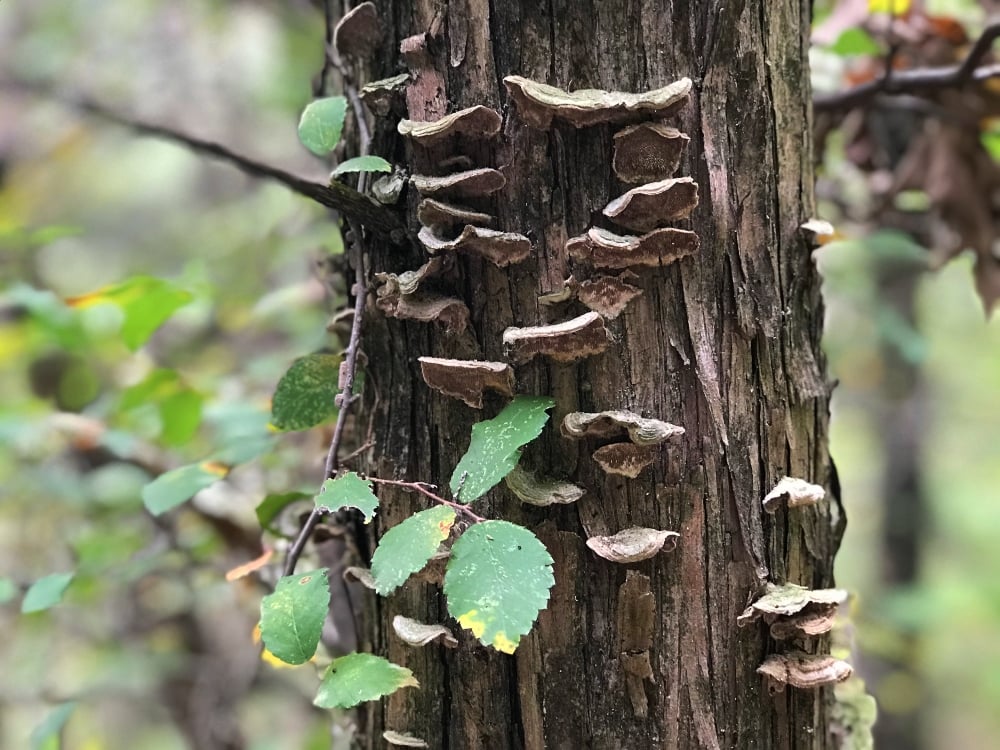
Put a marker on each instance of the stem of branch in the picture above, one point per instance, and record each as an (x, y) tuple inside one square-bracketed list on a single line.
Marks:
[(426, 490)]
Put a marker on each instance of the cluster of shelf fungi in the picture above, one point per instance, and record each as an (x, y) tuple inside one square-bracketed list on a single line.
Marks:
[(646, 154)]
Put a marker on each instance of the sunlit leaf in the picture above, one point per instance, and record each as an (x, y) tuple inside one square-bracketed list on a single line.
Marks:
[(895, 7), (145, 302), (406, 547), (46, 734), (305, 394), (856, 41), (271, 506), (46, 592), (497, 581), (496, 444), (348, 490), (322, 123), (362, 164), (179, 406), (291, 619), (179, 485), (357, 678)]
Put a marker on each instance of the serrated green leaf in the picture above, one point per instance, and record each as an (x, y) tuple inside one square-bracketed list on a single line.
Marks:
[(362, 164), (405, 548), (497, 581), (271, 506), (8, 590), (291, 619), (348, 490), (322, 123), (181, 484), (46, 592), (855, 42), (306, 392), (145, 302), (496, 444), (357, 678), (46, 734)]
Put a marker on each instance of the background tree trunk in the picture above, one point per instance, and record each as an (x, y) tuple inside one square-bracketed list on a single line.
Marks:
[(725, 343)]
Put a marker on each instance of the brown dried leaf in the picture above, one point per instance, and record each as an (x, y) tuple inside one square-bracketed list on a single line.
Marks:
[(474, 122), (500, 248), (633, 545), (467, 379), (618, 424), (648, 152), (471, 183), (580, 337), (644, 208), (358, 32), (533, 490), (605, 249), (415, 633), (539, 103), (792, 493), (625, 459), (801, 670), (608, 295)]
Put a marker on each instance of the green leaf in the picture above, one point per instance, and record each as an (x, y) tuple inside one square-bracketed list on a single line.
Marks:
[(179, 406), (405, 548), (51, 727), (291, 619), (357, 678), (181, 484), (271, 506), (348, 490), (362, 164), (854, 42), (145, 302), (895, 7), (496, 444), (305, 394), (321, 124), (991, 142), (46, 592), (497, 581), (8, 590)]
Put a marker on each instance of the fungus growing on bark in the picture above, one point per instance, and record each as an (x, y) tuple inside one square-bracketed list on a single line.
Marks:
[(608, 295), (381, 96), (467, 379), (358, 32), (399, 739), (360, 575), (387, 188), (625, 459), (475, 122), (793, 493), (647, 152), (605, 249), (398, 296), (818, 227), (415, 633), (500, 248), (469, 184), (652, 205), (794, 611), (407, 282), (580, 337), (432, 213), (809, 623), (617, 425), (539, 103), (802, 670), (633, 544), (534, 490)]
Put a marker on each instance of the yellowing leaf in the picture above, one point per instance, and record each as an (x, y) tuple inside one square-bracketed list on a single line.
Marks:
[(895, 7)]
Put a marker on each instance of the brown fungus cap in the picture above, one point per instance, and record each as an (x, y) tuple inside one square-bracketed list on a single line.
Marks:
[(803, 671), (605, 249), (570, 340), (358, 32), (647, 152), (433, 213), (625, 459), (618, 424), (649, 206), (633, 544), (475, 122), (499, 248), (470, 184), (467, 379)]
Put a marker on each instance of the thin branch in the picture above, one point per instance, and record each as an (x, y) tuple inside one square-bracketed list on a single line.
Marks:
[(426, 490), (919, 80), (353, 204)]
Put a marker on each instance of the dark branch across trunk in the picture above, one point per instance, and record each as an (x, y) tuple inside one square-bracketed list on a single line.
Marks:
[(724, 343)]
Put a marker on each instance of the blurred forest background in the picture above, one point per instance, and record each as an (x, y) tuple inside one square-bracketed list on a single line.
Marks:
[(146, 643)]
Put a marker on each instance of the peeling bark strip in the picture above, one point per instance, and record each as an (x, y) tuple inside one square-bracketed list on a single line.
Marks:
[(725, 343)]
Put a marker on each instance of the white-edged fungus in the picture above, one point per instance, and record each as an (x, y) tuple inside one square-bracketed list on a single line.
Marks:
[(468, 184), (415, 633), (541, 491), (500, 248), (573, 339), (618, 424), (438, 214), (474, 122), (802, 670), (793, 493), (467, 379), (649, 206), (633, 544), (605, 249)]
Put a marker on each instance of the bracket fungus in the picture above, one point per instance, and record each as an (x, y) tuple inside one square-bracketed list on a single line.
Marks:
[(401, 739), (538, 103), (625, 459), (608, 295), (407, 282), (415, 633), (534, 490), (647, 152), (804, 671), (794, 611), (793, 493), (499, 248), (432, 213), (387, 188), (633, 545), (363, 576), (399, 296), (618, 424), (468, 184), (467, 379), (570, 340), (473, 122), (382, 95), (605, 249), (652, 205), (358, 32)]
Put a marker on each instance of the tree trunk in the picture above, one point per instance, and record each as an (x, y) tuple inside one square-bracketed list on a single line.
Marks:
[(724, 343)]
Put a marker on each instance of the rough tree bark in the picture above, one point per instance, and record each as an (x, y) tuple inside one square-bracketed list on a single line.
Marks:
[(725, 343)]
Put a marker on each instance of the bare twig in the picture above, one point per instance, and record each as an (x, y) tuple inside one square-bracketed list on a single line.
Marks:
[(919, 80), (427, 491), (353, 204)]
